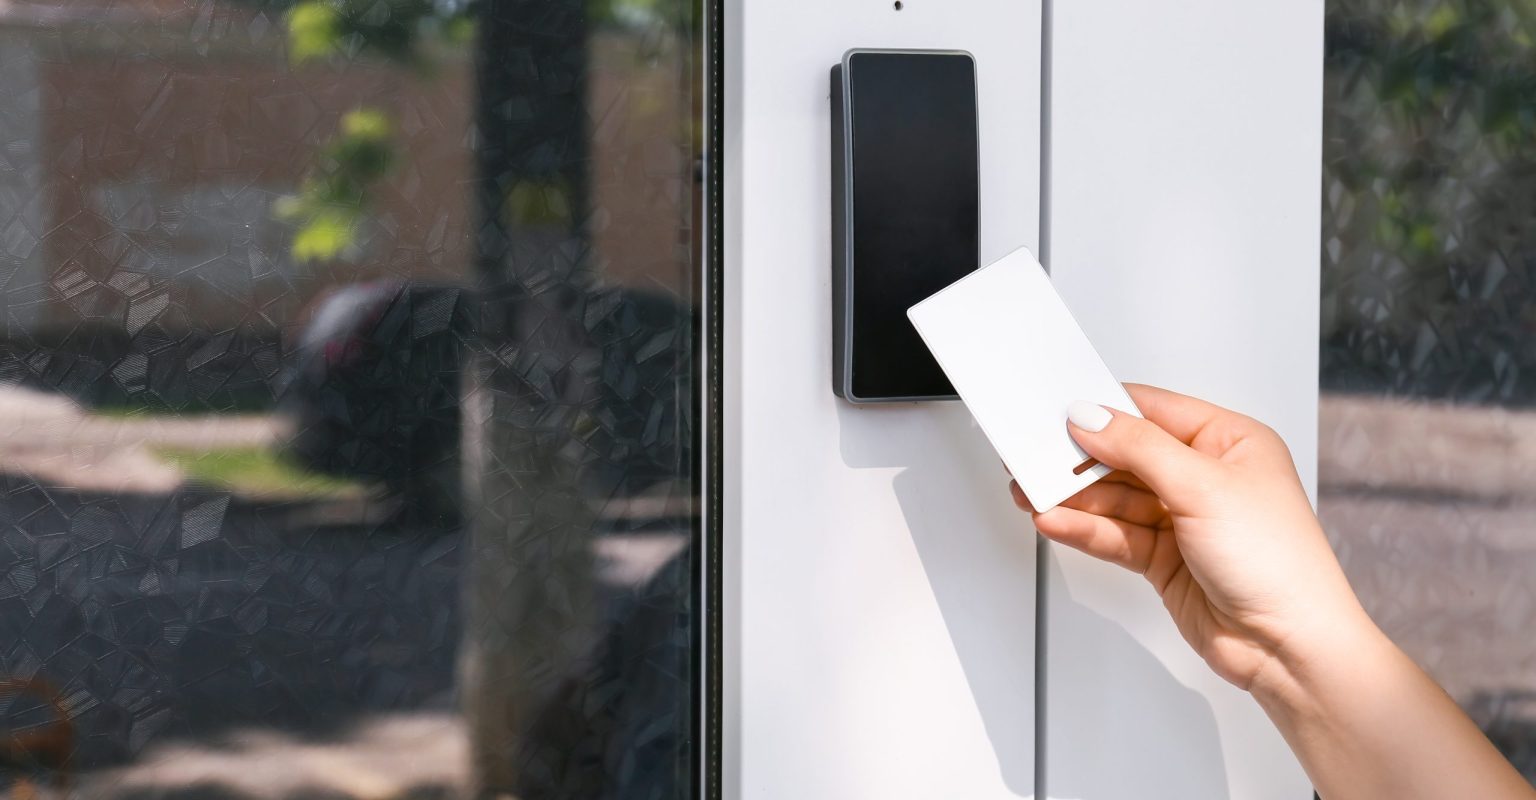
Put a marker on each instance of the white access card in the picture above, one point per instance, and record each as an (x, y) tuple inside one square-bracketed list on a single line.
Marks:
[(1018, 359)]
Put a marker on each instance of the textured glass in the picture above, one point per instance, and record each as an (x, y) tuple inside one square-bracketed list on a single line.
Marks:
[(1428, 440), (347, 398)]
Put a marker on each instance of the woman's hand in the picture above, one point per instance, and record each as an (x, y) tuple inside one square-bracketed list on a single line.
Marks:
[(1206, 504)]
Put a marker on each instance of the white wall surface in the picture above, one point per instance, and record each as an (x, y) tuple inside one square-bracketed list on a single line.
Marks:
[(1183, 230), (880, 601)]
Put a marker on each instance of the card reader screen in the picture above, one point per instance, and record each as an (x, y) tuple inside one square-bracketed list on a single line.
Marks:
[(914, 175)]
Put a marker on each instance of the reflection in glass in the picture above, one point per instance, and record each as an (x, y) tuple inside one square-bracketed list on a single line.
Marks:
[(347, 397), (1428, 424)]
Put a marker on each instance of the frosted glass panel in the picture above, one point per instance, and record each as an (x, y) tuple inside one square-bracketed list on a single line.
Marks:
[(348, 379), (1428, 424)]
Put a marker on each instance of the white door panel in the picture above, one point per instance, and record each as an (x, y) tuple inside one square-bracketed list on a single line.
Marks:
[(880, 609), (1184, 208)]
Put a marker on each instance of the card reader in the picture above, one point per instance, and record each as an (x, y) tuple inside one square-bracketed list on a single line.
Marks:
[(905, 212)]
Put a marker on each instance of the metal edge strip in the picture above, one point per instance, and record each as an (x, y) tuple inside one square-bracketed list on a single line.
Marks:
[(709, 400), (1043, 547)]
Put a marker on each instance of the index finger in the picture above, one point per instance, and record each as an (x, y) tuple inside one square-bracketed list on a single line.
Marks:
[(1182, 416)]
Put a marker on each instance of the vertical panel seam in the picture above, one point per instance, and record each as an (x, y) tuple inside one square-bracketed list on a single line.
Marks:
[(1042, 547)]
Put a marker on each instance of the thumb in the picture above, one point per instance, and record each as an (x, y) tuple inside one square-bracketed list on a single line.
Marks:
[(1170, 468)]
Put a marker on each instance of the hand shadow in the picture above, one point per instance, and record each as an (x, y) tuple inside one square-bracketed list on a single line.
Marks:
[(979, 554), (1144, 734)]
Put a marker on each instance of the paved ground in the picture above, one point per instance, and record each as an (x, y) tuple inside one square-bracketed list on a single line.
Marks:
[(247, 650), (1433, 511), (162, 617), (395, 756), (1474, 453), (49, 438), (205, 644), (186, 631)]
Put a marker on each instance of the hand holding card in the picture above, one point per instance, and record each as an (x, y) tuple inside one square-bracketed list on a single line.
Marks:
[(1019, 360)]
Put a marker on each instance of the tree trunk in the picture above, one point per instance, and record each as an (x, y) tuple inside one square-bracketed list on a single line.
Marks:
[(531, 611)]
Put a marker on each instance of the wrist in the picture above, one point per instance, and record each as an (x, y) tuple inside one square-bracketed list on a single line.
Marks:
[(1313, 658)]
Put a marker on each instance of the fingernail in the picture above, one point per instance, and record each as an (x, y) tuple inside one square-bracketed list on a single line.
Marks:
[(1091, 417)]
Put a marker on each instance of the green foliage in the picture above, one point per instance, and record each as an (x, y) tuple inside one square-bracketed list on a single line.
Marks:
[(531, 204), (1429, 225), (675, 14), (332, 202), (314, 31), (393, 29), (257, 472)]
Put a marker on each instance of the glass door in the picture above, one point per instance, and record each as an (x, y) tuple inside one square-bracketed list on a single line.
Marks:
[(355, 398)]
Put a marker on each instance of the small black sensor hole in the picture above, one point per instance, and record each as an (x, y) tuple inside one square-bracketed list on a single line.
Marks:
[(898, 5)]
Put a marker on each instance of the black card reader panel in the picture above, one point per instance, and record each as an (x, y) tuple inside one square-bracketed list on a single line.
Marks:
[(905, 211)]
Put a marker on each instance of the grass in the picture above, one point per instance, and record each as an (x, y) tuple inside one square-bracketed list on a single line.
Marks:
[(145, 404), (257, 471)]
